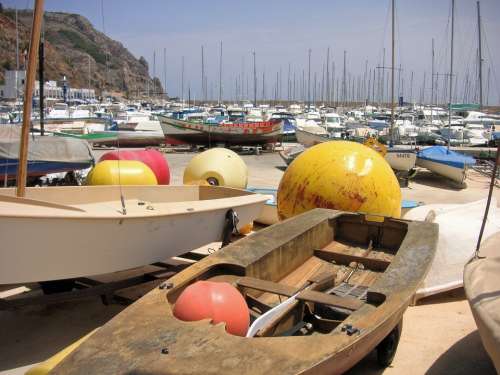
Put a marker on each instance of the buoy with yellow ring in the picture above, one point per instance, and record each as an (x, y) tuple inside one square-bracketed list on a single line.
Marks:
[(219, 167)]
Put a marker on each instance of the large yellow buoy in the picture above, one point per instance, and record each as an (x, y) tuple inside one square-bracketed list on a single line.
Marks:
[(121, 172), (217, 166), (339, 175)]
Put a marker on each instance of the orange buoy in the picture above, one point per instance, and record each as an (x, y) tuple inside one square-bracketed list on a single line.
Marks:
[(219, 301)]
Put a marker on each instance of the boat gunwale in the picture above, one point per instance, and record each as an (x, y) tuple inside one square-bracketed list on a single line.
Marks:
[(168, 209)]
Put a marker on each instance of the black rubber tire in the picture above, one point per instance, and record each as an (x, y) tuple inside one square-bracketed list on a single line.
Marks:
[(57, 286), (386, 350)]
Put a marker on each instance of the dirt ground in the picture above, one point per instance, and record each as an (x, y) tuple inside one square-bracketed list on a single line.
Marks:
[(439, 335)]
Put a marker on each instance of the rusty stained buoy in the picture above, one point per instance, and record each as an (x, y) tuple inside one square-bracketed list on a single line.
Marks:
[(339, 175)]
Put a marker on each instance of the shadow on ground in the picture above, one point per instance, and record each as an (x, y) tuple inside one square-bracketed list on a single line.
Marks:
[(425, 177), (33, 334), (465, 355)]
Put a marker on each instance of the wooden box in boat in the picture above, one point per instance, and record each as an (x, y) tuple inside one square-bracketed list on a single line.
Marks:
[(66, 232), (352, 280)]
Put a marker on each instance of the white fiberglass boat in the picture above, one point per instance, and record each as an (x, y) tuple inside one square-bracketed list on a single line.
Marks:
[(68, 232)]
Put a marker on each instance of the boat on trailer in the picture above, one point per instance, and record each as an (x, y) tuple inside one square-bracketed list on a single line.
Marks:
[(241, 134), (323, 290), (67, 232)]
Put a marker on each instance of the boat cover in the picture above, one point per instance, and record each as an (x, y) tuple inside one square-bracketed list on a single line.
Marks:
[(482, 287), (53, 149), (459, 226), (440, 154)]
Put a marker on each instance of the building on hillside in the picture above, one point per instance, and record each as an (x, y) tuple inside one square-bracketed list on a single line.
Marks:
[(51, 90), (13, 87)]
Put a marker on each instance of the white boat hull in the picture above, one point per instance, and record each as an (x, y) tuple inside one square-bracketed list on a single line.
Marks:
[(56, 243), (458, 228), (453, 173), (401, 160)]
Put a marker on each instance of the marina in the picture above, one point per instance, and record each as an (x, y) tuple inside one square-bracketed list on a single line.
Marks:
[(302, 214)]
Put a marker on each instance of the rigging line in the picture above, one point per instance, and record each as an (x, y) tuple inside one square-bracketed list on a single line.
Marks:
[(384, 35), (495, 78)]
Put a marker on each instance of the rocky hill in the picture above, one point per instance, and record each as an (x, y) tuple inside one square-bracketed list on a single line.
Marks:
[(71, 44)]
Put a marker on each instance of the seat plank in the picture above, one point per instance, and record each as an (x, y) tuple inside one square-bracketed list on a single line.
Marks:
[(348, 303), (267, 286), (370, 263)]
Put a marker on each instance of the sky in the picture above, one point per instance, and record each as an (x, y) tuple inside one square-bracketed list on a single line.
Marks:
[(282, 31)]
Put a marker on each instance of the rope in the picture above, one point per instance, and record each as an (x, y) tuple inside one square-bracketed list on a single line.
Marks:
[(490, 193)]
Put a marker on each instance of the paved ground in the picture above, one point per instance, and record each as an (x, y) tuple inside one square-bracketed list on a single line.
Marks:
[(439, 335)]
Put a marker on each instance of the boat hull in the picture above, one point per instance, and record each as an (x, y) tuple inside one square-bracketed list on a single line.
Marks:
[(203, 134), (401, 160), (74, 244), (453, 173), (134, 340)]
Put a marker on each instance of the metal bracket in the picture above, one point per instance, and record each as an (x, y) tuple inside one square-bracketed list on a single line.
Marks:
[(230, 227)]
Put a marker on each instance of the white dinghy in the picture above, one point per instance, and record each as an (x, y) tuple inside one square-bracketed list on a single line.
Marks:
[(67, 232), (458, 228)]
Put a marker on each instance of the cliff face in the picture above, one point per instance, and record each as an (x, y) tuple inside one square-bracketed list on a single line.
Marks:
[(72, 45)]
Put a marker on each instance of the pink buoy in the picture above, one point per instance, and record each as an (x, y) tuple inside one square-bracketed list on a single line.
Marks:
[(218, 301), (152, 158)]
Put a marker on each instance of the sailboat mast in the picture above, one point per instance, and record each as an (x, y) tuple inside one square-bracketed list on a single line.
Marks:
[(392, 78), (28, 95), (309, 82), (220, 75), (41, 55), (432, 81), (451, 68), (254, 81), (203, 75), (480, 56)]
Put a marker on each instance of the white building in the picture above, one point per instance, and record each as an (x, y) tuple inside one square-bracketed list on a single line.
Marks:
[(52, 91), (14, 84)]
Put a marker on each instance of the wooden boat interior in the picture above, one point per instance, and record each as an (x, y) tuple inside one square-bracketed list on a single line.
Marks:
[(328, 270)]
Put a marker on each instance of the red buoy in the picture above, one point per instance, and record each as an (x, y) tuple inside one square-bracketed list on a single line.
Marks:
[(152, 158), (219, 301)]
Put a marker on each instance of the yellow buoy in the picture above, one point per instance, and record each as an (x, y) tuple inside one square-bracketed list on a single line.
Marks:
[(217, 166), (339, 175), (121, 172)]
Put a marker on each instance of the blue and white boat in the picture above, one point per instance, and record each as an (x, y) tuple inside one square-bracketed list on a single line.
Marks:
[(447, 163), (269, 213), (289, 125)]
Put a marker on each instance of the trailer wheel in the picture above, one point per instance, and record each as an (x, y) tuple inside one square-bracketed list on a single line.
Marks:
[(386, 350), (57, 286)]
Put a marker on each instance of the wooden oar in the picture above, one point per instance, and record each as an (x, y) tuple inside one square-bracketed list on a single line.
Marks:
[(34, 202)]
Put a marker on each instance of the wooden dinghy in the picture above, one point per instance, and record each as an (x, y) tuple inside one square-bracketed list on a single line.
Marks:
[(340, 285), (68, 232)]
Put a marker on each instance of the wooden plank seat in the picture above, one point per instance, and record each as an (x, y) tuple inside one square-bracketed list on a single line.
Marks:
[(348, 303), (267, 286), (317, 281), (340, 258)]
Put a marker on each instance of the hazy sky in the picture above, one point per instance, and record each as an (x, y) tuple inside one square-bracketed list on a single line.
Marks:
[(282, 31)]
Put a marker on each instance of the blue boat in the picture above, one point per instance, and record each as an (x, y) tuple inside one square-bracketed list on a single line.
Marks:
[(447, 163)]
